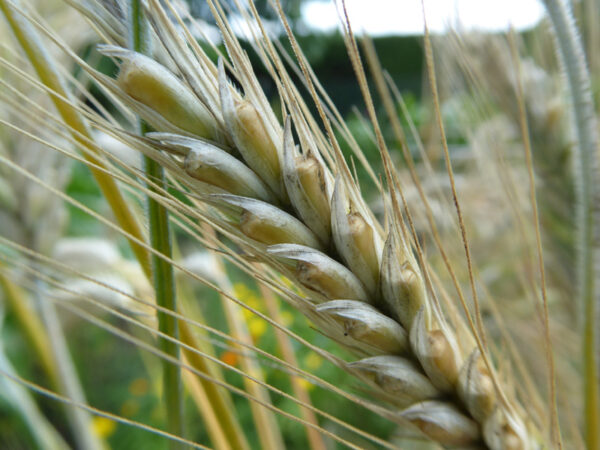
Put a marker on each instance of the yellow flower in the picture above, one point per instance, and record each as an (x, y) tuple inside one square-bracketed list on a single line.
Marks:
[(313, 361), (103, 426), (305, 384), (253, 302), (257, 327), (287, 282), (241, 291)]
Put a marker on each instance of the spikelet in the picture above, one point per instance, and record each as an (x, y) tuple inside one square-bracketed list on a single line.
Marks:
[(212, 165), (362, 326), (246, 128), (110, 279), (86, 254), (202, 264), (121, 151), (443, 422), (355, 240), (117, 295), (151, 84), (398, 377), (436, 350), (475, 387), (267, 224), (320, 273), (307, 184), (503, 431), (402, 288)]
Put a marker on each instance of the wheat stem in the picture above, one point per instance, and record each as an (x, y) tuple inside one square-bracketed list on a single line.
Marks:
[(162, 271), (572, 55), (164, 289), (31, 326)]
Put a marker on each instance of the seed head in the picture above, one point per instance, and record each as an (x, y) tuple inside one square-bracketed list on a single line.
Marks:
[(212, 165), (503, 431), (267, 224), (402, 288)]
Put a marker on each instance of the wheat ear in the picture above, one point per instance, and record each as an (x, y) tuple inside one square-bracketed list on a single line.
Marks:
[(364, 287)]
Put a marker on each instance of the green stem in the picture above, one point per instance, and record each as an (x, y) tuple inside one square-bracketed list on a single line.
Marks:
[(586, 165), (162, 271), (165, 297)]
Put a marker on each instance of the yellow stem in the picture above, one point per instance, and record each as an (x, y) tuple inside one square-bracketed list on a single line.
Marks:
[(212, 422), (32, 327), (315, 439), (221, 406), (266, 423)]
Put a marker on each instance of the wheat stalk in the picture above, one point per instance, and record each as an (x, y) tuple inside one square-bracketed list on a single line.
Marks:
[(299, 210)]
